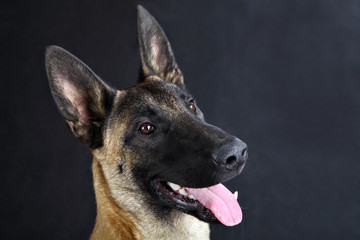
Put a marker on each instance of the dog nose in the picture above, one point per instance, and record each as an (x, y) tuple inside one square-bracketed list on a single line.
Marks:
[(231, 155)]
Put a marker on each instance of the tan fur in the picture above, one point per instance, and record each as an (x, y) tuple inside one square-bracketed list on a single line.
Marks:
[(112, 222)]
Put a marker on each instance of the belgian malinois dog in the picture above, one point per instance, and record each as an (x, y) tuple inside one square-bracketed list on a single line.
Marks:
[(157, 165)]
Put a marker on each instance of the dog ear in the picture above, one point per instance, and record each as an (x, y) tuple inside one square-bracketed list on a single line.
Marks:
[(83, 98), (157, 57)]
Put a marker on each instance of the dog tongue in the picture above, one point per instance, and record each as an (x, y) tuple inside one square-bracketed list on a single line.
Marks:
[(220, 201)]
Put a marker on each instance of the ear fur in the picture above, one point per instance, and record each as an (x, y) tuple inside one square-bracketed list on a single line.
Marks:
[(83, 98), (157, 57)]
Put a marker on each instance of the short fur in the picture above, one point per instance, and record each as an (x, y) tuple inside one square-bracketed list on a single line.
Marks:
[(129, 165)]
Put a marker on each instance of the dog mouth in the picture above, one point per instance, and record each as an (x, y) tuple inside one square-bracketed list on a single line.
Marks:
[(211, 204)]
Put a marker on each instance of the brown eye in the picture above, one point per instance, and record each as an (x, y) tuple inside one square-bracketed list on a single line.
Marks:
[(146, 128), (192, 105)]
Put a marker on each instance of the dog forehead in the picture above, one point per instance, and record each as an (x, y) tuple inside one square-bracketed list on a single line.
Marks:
[(163, 95), (162, 92)]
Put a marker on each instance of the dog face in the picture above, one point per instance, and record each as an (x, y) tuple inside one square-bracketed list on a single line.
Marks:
[(150, 139)]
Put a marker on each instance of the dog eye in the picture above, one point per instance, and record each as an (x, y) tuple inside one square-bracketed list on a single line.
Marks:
[(192, 105), (147, 128)]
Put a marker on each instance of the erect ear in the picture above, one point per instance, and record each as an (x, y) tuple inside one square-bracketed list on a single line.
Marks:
[(157, 57), (83, 98)]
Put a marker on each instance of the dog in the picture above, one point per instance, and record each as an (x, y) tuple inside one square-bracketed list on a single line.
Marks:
[(157, 165)]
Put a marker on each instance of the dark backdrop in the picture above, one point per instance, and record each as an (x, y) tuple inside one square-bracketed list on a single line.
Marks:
[(284, 76)]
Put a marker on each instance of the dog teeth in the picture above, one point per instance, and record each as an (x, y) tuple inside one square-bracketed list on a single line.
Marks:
[(174, 186), (183, 192), (191, 197), (177, 188), (236, 195)]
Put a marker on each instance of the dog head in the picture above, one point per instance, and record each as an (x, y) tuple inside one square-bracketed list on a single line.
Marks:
[(151, 138)]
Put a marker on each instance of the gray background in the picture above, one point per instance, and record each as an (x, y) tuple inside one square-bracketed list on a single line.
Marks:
[(284, 76)]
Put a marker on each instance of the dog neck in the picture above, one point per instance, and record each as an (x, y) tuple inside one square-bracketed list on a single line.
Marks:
[(119, 221), (112, 222)]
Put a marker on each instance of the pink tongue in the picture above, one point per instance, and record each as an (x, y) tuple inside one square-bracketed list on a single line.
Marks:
[(220, 201)]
